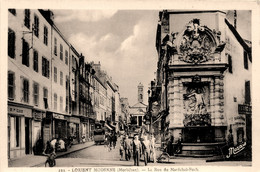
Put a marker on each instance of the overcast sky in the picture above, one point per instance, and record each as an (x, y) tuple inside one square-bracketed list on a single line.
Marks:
[(123, 41)]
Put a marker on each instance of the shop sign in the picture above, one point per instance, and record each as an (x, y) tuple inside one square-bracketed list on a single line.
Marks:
[(20, 111), (244, 109), (83, 119), (235, 150), (74, 119), (37, 116), (58, 116)]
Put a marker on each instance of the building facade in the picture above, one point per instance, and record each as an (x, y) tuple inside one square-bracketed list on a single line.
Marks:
[(51, 89), (203, 78)]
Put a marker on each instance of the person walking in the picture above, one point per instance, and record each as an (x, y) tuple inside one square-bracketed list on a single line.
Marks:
[(127, 147), (114, 139), (153, 153), (146, 149), (137, 146), (121, 149), (51, 155)]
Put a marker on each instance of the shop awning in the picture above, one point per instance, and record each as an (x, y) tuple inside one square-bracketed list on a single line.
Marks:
[(108, 126)]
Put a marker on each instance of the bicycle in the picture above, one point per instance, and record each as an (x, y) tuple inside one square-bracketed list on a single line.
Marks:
[(164, 156), (50, 161), (107, 145)]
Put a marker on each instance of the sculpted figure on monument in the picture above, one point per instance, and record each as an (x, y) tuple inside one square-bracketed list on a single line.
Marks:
[(195, 107)]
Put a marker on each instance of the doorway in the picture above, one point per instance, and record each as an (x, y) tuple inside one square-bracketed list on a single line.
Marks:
[(198, 135), (27, 136)]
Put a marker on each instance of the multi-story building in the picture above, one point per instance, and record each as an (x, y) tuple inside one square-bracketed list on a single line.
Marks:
[(124, 118), (203, 80), (77, 126), (51, 89), (29, 80), (118, 111)]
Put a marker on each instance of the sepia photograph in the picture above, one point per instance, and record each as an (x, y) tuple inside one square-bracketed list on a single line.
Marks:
[(128, 89)]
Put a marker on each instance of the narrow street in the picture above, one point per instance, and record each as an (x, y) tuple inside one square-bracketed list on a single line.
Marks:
[(99, 156)]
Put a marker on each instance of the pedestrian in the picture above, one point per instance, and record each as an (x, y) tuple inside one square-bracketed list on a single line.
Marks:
[(136, 150), (110, 140), (51, 155), (179, 144), (54, 143), (146, 149), (121, 149), (170, 149), (114, 139), (127, 147), (153, 153)]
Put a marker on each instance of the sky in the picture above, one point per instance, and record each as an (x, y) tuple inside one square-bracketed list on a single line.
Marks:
[(123, 41)]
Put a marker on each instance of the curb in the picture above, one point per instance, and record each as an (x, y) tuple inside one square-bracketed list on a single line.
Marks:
[(63, 154)]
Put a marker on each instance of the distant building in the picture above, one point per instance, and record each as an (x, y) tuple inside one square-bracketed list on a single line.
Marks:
[(138, 110)]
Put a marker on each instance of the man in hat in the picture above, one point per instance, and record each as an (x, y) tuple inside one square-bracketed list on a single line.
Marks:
[(153, 148), (127, 146), (136, 150), (146, 149)]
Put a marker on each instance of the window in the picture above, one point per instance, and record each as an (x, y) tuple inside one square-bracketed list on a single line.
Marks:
[(25, 90), (36, 26), (45, 67), (11, 85), (245, 60), (45, 35), (61, 103), (55, 74), (35, 61), (45, 97), (61, 78), (247, 92), (27, 18), (11, 43), (13, 11), (67, 103), (55, 46), (25, 55), (36, 94), (73, 60), (55, 101), (61, 52), (66, 57), (230, 64)]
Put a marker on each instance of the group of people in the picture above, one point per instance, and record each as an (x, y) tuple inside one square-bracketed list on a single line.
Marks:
[(138, 147), (111, 139)]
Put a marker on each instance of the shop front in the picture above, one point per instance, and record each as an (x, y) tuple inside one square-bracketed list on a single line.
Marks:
[(37, 132), (73, 129), (59, 126), (47, 126), (19, 130), (84, 123)]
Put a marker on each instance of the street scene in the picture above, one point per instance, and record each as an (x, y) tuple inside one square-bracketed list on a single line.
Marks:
[(127, 88)]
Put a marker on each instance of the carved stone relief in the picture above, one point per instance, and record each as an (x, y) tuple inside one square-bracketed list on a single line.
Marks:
[(196, 102), (196, 45)]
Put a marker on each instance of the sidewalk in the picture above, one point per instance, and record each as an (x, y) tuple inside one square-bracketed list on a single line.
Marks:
[(34, 160)]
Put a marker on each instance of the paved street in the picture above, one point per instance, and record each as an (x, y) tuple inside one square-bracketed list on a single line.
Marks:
[(99, 156)]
